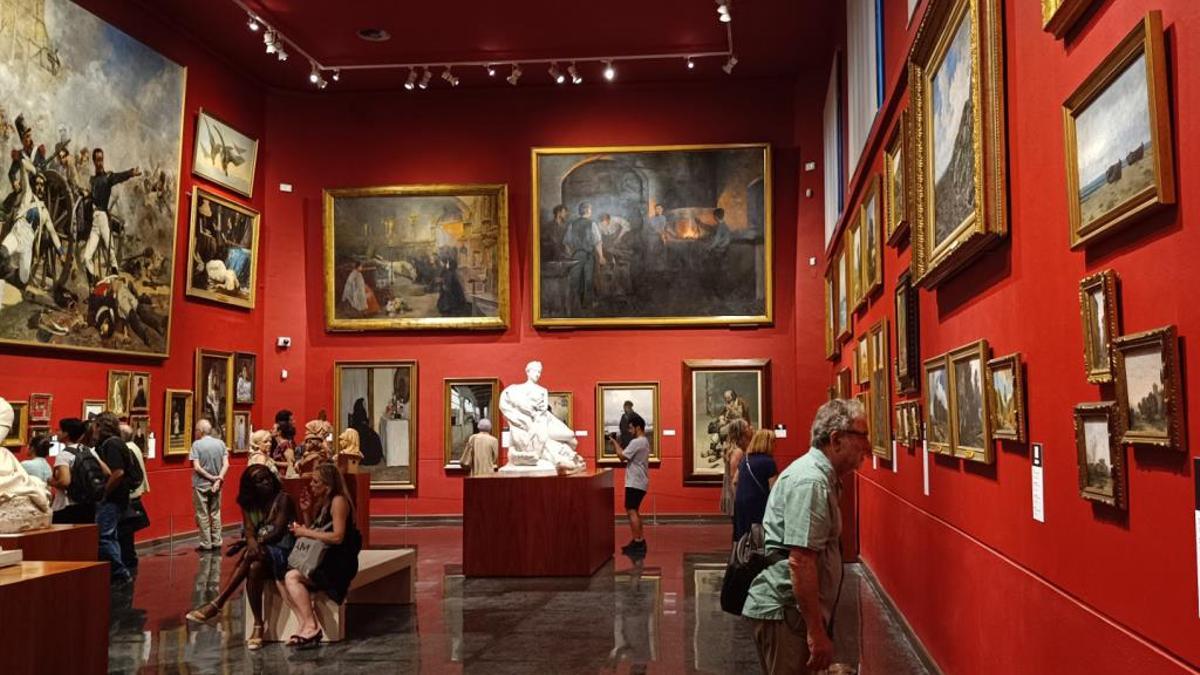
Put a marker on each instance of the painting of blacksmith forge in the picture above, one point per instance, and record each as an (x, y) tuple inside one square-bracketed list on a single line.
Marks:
[(416, 257), (652, 236), (93, 120)]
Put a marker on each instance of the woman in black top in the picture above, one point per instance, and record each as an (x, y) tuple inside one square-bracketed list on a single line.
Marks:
[(266, 512), (333, 525), (753, 477)]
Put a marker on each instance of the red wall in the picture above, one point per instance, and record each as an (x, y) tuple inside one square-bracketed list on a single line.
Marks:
[(71, 378), (463, 136), (988, 589)]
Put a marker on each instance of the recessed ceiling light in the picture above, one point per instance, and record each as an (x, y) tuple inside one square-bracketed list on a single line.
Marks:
[(374, 34)]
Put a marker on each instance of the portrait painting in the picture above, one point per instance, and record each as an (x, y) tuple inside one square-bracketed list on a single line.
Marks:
[(241, 432), (862, 360), (1118, 137), (139, 392), (881, 402), (467, 403), (177, 422), (214, 399), (96, 121), (871, 219), (1099, 313), (843, 383), (39, 407), (1100, 454), (854, 246), (908, 339), (970, 413), (1148, 388), (224, 155), (379, 401), (895, 181), (222, 250), (1007, 392), (831, 337), (937, 405), (245, 373), (141, 432), (843, 296), (18, 433), (717, 392), (562, 406), (652, 236), (616, 404), (91, 408), (414, 257), (118, 393)]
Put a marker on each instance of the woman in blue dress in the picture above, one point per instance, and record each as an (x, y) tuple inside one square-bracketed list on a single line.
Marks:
[(753, 475)]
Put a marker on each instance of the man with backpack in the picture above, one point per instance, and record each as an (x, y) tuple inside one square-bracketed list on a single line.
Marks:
[(123, 475), (68, 509)]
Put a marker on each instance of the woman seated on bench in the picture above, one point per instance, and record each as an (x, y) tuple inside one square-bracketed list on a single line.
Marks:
[(333, 527), (266, 512)]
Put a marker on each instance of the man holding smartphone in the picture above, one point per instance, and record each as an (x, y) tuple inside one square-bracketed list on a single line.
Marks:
[(635, 456)]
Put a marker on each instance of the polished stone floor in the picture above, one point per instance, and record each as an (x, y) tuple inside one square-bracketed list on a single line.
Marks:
[(657, 615)]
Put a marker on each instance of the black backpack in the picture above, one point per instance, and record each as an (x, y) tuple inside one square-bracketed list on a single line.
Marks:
[(133, 470), (747, 560), (88, 478)]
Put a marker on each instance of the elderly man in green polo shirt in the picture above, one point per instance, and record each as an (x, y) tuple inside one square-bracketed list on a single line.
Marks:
[(791, 603)]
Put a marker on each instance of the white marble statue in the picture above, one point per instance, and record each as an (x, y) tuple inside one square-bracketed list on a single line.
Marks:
[(539, 442), (24, 499)]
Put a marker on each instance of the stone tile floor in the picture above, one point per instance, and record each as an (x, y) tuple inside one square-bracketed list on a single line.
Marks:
[(657, 615)]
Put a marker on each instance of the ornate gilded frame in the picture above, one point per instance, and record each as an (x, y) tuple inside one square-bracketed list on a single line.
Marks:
[(908, 336), (1011, 362), (881, 402), (604, 455), (831, 337), (896, 180), (1105, 283), (188, 422), (448, 385), (845, 320), (930, 366), (872, 207), (1166, 342), (862, 359), (1147, 39), (691, 367), (413, 416), (233, 448), (570, 396), (988, 222), (855, 249), (144, 409), (1108, 410), (18, 434), (255, 224), (113, 377), (958, 358), (1060, 16), (498, 322), (198, 400), (844, 381), (766, 318), (91, 407), (40, 407)]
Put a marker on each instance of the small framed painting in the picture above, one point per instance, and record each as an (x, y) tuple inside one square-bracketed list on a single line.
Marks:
[(562, 406), (1007, 391), (715, 393), (844, 315), (862, 360), (895, 181), (1100, 315), (177, 422), (908, 336), (971, 421), (871, 219), (466, 403), (139, 392), (1060, 16), (855, 250), (18, 434), (141, 432), (214, 401), (222, 250), (224, 155), (241, 432), (39, 407), (118, 393), (881, 403), (616, 402), (831, 329), (245, 370), (1149, 393), (843, 383), (1100, 453), (937, 405), (91, 407)]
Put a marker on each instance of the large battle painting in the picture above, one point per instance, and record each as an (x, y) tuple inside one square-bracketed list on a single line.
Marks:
[(416, 256), (93, 120), (652, 236)]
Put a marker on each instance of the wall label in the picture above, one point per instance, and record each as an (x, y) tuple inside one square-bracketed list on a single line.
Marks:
[(925, 464), (1039, 495)]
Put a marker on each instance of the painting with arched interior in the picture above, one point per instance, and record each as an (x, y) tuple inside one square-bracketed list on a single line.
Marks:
[(676, 235)]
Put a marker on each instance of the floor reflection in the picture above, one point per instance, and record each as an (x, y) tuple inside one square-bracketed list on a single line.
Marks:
[(659, 613)]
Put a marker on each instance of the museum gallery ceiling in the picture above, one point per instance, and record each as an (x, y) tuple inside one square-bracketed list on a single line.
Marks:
[(439, 32)]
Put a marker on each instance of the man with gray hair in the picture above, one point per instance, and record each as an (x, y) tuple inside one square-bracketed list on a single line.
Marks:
[(482, 449), (210, 462), (791, 603)]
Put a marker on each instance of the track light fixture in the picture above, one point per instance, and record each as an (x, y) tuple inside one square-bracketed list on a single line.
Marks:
[(515, 75), (610, 73), (252, 24), (314, 76), (337, 75), (411, 82), (575, 77), (723, 14), (269, 41), (490, 70), (555, 73), (424, 83), (729, 64), (449, 77), (282, 55), (691, 65)]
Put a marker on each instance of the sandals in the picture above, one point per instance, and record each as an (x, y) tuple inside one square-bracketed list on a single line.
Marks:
[(255, 641), (300, 642), (203, 614)]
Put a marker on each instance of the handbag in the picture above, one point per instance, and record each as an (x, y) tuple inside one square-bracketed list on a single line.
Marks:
[(134, 518), (747, 560), (307, 554)]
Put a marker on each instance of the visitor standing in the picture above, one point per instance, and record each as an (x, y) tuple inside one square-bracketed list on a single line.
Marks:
[(36, 465), (135, 517), (110, 447), (482, 449), (636, 458), (210, 462), (67, 511), (752, 481)]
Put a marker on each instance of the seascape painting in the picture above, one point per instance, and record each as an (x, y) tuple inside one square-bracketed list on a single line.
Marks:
[(953, 135), (416, 257), (1114, 153), (94, 119), (652, 236), (937, 386), (378, 400), (222, 250), (1146, 391), (969, 404), (1098, 452)]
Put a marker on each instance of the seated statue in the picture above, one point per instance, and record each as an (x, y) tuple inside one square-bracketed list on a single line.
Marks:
[(539, 442), (24, 499)]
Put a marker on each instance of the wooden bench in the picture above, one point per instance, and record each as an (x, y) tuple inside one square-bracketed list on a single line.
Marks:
[(385, 577)]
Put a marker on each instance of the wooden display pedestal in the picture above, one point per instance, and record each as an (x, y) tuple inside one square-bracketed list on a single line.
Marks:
[(359, 485), (546, 526), (57, 542)]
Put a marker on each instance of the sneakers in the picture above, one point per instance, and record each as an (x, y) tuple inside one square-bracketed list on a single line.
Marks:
[(635, 546)]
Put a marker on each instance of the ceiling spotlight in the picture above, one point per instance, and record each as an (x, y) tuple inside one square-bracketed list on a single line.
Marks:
[(282, 55), (515, 75), (337, 74), (556, 74), (723, 11), (269, 41), (690, 64), (411, 82), (490, 70), (449, 77), (729, 64), (575, 78), (315, 75), (321, 83), (609, 72), (252, 23), (424, 83)]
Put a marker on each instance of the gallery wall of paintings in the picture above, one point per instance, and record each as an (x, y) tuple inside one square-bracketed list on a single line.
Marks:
[(1065, 328)]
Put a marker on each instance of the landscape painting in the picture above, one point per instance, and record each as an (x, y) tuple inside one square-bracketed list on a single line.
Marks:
[(970, 411), (717, 392), (224, 155), (1006, 388), (1149, 387), (416, 257), (222, 250), (952, 136), (937, 406), (378, 400), (652, 236), (94, 119), (1101, 467), (1144, 387), (895, 181), (1098, 311)]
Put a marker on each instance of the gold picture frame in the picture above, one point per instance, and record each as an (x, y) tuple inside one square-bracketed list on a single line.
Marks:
[(562, 406), (938, 401), (139, 392), (862, 360), (1099, 312), (240, 432), (177, 422), (871, 234), (970, 181), (1103, 480), (740, 184), (474, 252), (400, 411), (845, 315), (855, 248), (609, 400), (1006, 388), (1060, 16), (881, 402), (228, 221), (462, 409), (1124, 182), (831, 337), (18, 434), (220, 154), (908, 336), (843, 385), (40, 407), (91, 407), (896, 181), (214, 381), (970, 405), (707, 413), (117, 393), (1147, 369)]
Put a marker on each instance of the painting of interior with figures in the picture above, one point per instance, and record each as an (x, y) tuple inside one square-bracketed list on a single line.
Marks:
[(377, 400), (87, 221)]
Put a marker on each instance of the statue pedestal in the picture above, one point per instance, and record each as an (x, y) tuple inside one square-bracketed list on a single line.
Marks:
[(542, 468), (537, 526), (57, 542)]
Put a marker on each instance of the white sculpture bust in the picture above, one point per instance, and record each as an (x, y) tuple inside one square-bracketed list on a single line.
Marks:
[(24, 499), (539, 443)]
